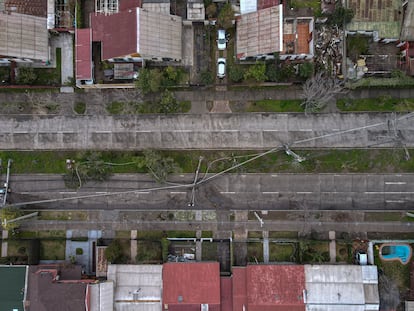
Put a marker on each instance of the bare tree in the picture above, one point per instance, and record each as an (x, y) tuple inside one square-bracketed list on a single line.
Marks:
[(318, 91)]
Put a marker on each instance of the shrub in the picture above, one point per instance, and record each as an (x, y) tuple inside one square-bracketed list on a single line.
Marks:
[(26, 75), (79, 251), (257, 72), (80, 107), (236, 73)]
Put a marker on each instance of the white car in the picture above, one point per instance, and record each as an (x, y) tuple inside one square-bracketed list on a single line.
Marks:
[(221, 39), (221, 68)]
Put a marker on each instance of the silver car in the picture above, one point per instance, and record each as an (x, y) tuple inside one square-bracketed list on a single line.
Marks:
[(221, 68), (221, 39)]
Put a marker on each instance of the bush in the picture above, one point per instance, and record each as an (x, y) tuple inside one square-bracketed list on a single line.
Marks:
[(236, 73), (207, 77), (115, 107), (306, 70), (80, 107), (79, 251), (257, 72), (113, 253), (226, 16), (26, 75)]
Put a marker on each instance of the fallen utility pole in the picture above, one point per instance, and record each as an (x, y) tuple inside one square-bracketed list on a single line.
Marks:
[(5, 189)]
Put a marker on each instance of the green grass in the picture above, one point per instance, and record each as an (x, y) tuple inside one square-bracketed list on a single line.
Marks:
[(376, 104), (271, 105), (150, 235), (372, 82), (283, 235), (80, 107), (149, 252), (317, 161), (181, 234), (209, 251), (395, 270), (13, 247), (184, 106), (255, 234), (115, 107), (207, 234), (314, 4), (280, 252), (122, 234), (254, 252), (384, 216), (52, 234), (63, 215), (50, 76), (343, 253)]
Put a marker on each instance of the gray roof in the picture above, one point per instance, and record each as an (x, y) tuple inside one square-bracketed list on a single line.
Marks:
[(24, 36), (137, 287), (407, 31), (102, 296), (334, 287)]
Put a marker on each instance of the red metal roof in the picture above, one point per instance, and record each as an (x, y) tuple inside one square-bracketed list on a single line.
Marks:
[(264, 4), (117, 33), (129, 4), (29, 7), (83, 53), (192, 283), (275, 287), (269, 288), (239, 288), (226, 294)]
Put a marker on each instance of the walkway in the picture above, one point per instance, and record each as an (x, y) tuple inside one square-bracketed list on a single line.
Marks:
[(206, 131)]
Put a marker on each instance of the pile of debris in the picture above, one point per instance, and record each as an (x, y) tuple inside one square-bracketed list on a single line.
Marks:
[(329, 49)]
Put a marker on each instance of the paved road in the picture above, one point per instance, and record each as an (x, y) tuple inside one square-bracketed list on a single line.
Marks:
[(212, 131), (230, 192)]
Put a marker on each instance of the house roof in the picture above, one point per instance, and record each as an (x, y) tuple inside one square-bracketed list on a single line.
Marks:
[(83, 54), (226, 294), (24, 36), (384, 16), (137, 287), (116, 41), (260, 32), (341, 285), (101, 296), (275, 287), (149, 34), (12, 287), (239, 288), (407, 31), (188, 285), (46, 292), (32, 7)]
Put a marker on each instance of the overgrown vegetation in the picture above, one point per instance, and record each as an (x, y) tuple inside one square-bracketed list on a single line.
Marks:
[(317, 161), (155, 80), (79, 107), (382, 103)]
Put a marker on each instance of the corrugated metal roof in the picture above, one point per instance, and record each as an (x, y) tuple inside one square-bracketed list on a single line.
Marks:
[(260, 32), (340, 285), (137, 287), (226, 294), (191, 284), (83, 54), (248, 6), (149, 34), (117, 32), (101, 296), (277, 287), (29, 7), (24, 36), (239, 288), (407, 31)]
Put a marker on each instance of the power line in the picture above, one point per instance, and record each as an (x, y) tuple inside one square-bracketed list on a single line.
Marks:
[(206, 179)]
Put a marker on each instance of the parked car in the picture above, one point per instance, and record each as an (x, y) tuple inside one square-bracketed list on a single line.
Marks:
[(221, 68), (221, 39)]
